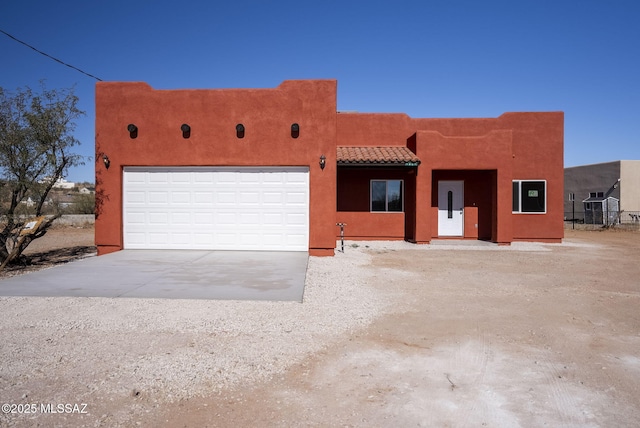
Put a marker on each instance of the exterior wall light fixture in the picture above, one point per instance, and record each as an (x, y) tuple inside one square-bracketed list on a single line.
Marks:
[(295, 130), (106, 161), (240, 130), (133, 130), (186, 130), (323, 161)]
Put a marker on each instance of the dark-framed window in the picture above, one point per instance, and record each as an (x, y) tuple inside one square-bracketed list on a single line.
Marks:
[(387, 195), (530, 196)]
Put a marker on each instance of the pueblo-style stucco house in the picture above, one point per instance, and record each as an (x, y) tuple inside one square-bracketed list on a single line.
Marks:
[(276, 169)]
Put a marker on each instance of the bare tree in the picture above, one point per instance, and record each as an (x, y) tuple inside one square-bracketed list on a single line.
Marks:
[(36, 144)]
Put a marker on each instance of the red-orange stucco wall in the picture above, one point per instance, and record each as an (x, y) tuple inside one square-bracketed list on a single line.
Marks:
[(491, 151), (353, 198), (516, 146), (267, 115), (526, 146), (537, 153)]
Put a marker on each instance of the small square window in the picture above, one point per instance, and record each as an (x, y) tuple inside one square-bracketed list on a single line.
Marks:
[(529, 196), (386, 195)]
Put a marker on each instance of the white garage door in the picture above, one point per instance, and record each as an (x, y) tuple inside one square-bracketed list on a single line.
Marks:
[(216, 208)]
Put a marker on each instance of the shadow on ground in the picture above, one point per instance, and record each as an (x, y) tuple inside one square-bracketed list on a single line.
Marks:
[(36, 261)]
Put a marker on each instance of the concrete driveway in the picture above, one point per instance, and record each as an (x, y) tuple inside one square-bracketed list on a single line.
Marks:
[(225, 275)]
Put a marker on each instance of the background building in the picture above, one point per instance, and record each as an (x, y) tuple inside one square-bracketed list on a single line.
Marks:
[(596, 183)]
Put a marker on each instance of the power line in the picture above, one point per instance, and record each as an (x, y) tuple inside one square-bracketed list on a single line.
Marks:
[(49, 56)]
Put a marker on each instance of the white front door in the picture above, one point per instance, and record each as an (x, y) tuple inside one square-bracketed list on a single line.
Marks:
[(451, 208)]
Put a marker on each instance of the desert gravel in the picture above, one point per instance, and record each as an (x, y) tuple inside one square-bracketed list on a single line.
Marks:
[(97, 350), (125, 356)]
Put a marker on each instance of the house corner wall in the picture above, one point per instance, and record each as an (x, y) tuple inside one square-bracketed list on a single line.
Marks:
[(538, 154), (630, 186), (267, 115)]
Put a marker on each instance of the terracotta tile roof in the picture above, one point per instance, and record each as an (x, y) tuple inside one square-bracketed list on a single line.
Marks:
[(389, 155)]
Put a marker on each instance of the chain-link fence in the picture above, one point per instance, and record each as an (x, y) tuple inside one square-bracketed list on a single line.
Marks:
[(628, 219)]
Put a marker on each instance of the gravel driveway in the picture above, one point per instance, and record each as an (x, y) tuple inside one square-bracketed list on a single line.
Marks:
[(123, 357), (389, 334)]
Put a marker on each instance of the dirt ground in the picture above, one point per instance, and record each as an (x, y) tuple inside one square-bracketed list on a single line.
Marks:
[(472, 338), (58, 245), (499, 339)]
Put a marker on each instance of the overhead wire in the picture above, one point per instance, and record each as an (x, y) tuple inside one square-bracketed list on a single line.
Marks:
[(49, 56)]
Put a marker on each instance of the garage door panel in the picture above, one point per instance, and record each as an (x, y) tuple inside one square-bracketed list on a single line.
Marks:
[(203, 240), (181, 239), (159, 219), (203, 219), (137, 238), (247, 238), (249, 198), (225, 177), (230, 208), (296, 219), (203, 198), (296, 179), (296, 240), (138, 177), (225, 219), (224, 240), (249, 219), (273, 198), (273, 239), (133, 218), (205, 177), (225, 198), (181, 219), (136, 197), (273, 219), (158, 238), (297, 198), (178, 177), (157, 177), (182, 197), (155, 197), (254, 176)]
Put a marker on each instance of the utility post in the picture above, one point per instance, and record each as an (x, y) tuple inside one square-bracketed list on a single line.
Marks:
[(342, 225), (572, 198)]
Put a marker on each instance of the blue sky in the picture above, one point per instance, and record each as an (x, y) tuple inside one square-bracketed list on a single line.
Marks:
[(446, 58)]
